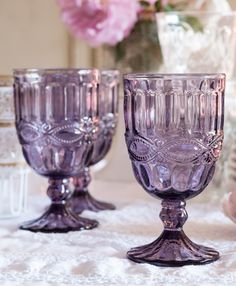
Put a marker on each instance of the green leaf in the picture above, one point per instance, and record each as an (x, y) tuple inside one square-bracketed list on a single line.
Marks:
[(158, 5), (175, 7), (144, 3), (169, 8), (194, 22), (119, 51)]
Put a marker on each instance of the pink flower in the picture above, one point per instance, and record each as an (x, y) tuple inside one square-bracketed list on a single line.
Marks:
[(229, 205), (99, 21)]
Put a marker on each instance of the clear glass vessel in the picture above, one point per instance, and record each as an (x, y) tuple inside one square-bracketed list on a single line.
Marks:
[(197, 42), (56, 120), (13, 170), (107, 116), (174, 135)]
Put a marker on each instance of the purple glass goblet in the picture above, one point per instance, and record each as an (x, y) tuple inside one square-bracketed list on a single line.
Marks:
[(56, 121), (174, 134), (108, 111)]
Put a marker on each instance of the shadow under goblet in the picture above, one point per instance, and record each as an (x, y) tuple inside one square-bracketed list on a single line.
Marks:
[(56, 122), (174, 134), (81, 199)]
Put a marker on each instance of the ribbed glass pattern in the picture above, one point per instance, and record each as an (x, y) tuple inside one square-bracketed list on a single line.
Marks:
[(108, 113), (107, 116), (174, 130), (198, 41), (56, 118), (57, 121)]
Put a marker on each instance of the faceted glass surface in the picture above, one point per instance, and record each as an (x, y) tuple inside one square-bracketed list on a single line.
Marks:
[(174, 134), (197, 41), (108, 113), (107, 117), (56, 120)]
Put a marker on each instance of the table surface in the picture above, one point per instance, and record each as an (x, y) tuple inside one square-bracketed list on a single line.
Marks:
[(98, 256)]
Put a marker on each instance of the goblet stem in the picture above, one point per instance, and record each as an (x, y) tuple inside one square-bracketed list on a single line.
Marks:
[(173, 247), (81, 199), (58, 218)]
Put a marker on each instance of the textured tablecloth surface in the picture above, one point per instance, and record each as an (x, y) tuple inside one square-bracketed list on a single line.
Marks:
[(98, 256)]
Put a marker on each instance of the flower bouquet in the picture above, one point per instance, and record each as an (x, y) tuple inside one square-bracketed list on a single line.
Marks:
[(127, 29)]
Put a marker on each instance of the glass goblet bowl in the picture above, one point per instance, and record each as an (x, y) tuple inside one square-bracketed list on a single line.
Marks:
[(202, 41), (108, 113)]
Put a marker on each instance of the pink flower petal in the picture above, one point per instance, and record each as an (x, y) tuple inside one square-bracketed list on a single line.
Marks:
[(99, 21)]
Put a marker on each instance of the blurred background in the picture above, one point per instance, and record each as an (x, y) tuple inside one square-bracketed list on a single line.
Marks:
[(33, 35)]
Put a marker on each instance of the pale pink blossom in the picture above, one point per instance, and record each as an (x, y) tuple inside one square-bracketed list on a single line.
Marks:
[(100, 21), (229, 205)]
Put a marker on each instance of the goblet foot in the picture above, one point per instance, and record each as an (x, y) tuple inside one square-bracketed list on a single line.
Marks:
[(173, 248), (58, 219), (82, 200)]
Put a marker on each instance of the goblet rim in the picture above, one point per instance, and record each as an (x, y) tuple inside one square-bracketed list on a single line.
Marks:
[(110, 71), (194, 12), (26, 71), (110, 75), (186, 76)]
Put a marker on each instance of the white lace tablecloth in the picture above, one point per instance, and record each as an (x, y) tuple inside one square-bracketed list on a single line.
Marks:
[(98, 257)]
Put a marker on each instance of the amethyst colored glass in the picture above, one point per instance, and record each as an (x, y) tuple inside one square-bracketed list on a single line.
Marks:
[(174, 134), (56, 121), (108, 111)]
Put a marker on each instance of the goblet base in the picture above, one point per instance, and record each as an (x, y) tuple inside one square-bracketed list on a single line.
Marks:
[(82, 200), (59, 219), (173, 248)]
